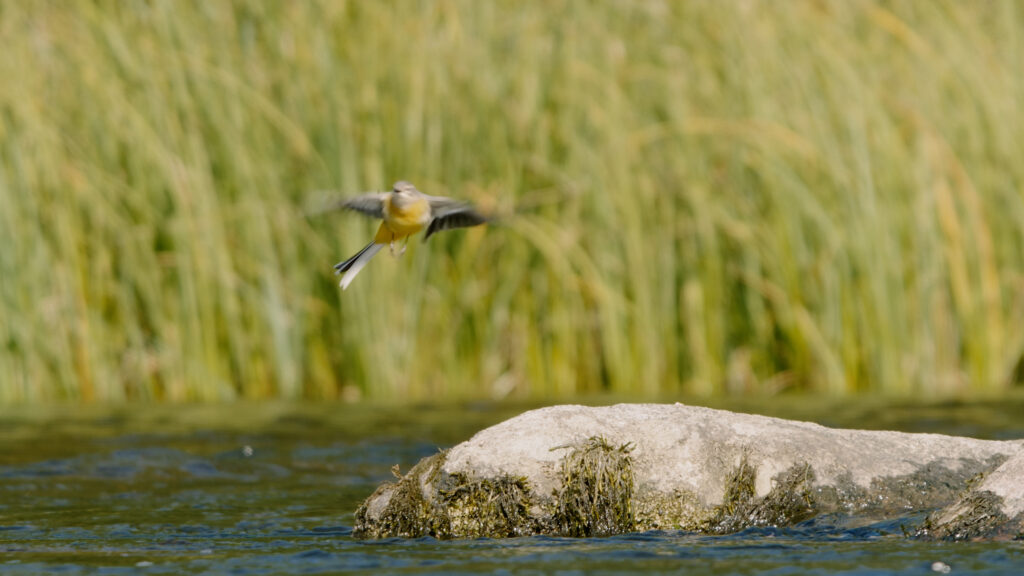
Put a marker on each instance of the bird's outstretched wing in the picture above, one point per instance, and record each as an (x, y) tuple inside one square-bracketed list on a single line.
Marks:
[(370, 204), (450, 214)]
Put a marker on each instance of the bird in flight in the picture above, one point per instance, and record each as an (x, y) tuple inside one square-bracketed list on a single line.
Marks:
[(404, 211)]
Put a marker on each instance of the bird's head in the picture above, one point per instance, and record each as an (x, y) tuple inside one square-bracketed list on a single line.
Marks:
[(403, 188)]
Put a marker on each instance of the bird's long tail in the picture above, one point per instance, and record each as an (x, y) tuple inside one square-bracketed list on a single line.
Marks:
[(353, 265)]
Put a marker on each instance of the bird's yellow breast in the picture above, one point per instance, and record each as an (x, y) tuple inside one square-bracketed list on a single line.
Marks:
[(406, 217)]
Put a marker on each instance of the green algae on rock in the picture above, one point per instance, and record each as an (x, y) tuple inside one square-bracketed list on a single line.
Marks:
[(790, 500), (596, 499), (992, 506), (404, 508), (596, 496), (428, 502), (978, 514), (488, 508)]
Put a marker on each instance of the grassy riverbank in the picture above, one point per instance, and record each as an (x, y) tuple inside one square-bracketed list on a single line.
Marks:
[(702, 197)]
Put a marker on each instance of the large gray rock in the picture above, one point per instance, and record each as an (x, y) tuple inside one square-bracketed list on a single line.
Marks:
[(582, 471)]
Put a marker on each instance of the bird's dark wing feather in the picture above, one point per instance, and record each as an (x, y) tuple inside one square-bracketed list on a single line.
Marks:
[(369, 204), (455, 215)]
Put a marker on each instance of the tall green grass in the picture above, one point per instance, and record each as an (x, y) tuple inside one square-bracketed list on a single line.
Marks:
[(695, 197)]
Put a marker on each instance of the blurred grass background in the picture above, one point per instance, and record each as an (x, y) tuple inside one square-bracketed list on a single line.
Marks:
[(697, 197)]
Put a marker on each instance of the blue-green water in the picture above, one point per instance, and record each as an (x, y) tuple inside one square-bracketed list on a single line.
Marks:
[(271, 489)]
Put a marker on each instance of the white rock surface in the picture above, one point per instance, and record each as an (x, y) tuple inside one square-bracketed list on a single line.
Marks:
[(1007, 482), (691, 448)]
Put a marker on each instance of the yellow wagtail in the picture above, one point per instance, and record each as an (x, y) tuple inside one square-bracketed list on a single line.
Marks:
[(404, 211)]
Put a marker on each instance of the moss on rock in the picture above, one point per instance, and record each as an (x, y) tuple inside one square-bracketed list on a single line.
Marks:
[(789, 501), (678, 510), (428, 502), (596, 494), (596, 498), (404, 508), (497, 508), (978, 514)]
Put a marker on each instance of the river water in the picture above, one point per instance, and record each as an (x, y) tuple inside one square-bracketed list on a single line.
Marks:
[(271, 489)]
